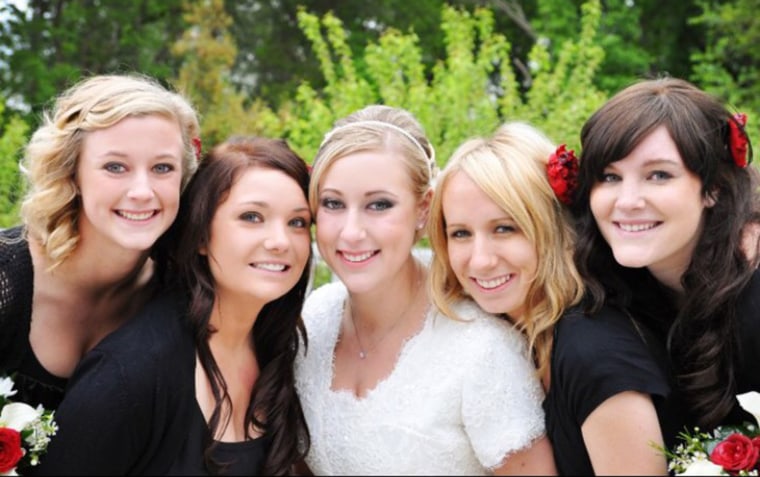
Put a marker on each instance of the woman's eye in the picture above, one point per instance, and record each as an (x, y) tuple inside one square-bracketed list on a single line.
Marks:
[(299, 222), (331, 204), (459, 234), (505, 229), (660, 175), (163, 168), (250, 217), (380, 205), (114, 167), (609, 177)]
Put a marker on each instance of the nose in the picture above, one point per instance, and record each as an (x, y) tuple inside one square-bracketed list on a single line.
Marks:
[(482, 257), (353, 228), (278, 239), (140, 187), (629, 195)]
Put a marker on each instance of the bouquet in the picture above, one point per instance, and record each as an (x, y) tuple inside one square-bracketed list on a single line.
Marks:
[(727, 450), (24, 431)]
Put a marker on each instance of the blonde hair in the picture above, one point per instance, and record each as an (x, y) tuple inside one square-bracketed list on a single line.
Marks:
[(377, 128), (510, 167), (50, 210)]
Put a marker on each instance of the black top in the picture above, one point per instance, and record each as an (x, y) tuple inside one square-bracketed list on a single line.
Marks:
[(35, 385), (593, 359), (130, 407), (747, 374)]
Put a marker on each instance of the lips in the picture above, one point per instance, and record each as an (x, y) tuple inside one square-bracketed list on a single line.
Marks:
[(357, 257), (137, 216), (638, 227), (492, 283), (271, 267)]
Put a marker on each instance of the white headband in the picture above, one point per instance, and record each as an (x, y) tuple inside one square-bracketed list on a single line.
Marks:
[(430, 158)]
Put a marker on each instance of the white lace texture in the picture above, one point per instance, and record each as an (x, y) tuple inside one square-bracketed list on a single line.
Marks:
[(462, 397)]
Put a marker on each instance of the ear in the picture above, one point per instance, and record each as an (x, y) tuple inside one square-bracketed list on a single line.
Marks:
[(423, 209), (710, 198)]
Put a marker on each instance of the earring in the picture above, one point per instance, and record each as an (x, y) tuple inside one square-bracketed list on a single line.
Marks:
[(420, 225)]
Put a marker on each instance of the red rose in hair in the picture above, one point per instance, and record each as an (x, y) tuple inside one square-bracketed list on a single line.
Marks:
[(562, 171), (737, 452), (197, 147), (737, 139), (10, 449)]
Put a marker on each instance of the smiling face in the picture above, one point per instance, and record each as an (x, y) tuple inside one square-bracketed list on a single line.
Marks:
[(650, 208), (367, 215), (129, 179), (260, 237), (491, 258)]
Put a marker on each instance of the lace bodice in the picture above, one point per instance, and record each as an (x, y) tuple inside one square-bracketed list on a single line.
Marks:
[(463, 396)]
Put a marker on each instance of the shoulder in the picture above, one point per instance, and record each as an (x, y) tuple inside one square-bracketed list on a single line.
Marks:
[(482, 333), (323, 302)]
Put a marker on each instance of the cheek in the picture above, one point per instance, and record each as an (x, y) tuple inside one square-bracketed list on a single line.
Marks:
[(458, 258)]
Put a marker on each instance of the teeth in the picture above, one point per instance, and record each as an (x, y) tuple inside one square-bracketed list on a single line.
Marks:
[(637, 227), (138, 216), (494, 282), (272, 267), (357, 258)]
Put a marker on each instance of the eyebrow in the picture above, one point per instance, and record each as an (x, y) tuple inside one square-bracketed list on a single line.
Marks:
[(366, 194), (265, 205)]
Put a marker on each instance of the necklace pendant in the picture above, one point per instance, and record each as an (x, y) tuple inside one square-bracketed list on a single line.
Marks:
[(362, 354)]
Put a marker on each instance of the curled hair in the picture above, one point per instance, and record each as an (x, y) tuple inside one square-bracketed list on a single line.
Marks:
[(364, 131), (510, 168), (702, 339), (50, 210), (275, 406)]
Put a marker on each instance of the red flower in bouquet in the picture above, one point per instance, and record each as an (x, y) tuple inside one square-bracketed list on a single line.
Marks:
[(736, 452), (10, 449)]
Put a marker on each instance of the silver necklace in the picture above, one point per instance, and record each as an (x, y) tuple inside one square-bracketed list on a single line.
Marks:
[(363, 352)]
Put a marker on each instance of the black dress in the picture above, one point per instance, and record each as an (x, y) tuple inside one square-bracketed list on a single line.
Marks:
[(130, 408), (593, 359), (33, 383)]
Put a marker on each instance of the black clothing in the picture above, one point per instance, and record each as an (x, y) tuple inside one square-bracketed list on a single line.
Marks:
[(34, 384), (130, 407), (593, 359)]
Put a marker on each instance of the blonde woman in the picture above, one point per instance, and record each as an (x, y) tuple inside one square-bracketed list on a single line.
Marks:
[(389, 385), (105, 170)]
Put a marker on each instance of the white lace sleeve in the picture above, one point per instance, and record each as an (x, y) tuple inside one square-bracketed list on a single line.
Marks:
[(502, 396)]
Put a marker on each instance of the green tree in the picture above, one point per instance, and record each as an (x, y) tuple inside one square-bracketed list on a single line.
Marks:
[(729, 64), (12, 138), (47, 46)]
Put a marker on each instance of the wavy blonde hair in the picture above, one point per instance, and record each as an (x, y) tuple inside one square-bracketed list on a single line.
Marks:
[(510, 167), (50, 210), (377, 128)]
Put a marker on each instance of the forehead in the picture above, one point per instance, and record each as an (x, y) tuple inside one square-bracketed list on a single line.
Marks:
[(368, 170)]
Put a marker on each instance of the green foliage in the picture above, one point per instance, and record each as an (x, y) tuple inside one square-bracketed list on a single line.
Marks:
[(467, 93), (729, 66), (47, 46), (12, 137)]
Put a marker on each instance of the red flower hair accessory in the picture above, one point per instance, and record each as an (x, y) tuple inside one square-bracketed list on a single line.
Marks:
[(562, 170), (737, 139), (197, 147)]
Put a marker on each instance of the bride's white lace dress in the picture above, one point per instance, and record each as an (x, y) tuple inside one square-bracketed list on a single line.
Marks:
[(463, 396)]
